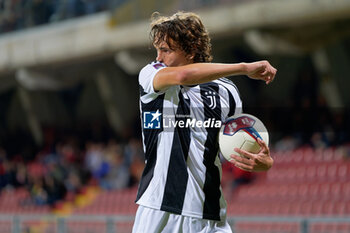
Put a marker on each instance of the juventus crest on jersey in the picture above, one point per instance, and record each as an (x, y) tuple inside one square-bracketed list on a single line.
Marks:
[(179, 129)]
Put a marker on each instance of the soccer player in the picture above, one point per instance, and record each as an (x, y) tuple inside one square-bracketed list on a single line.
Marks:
[(182, 97)]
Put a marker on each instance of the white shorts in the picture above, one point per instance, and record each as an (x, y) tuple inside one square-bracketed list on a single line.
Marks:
[(149, 220)]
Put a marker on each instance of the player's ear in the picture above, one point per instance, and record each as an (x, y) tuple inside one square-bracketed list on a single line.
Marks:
[(190, 57)]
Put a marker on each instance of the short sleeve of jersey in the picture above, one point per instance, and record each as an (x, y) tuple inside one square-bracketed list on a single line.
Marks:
[(233, 105), (147, 75)]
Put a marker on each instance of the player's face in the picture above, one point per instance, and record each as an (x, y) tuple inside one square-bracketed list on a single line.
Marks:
[(171, 57)]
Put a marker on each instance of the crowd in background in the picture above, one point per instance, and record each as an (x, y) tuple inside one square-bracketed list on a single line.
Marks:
[(20, 14), (65, 165), (67, 162), (308, 119), (305, 117)]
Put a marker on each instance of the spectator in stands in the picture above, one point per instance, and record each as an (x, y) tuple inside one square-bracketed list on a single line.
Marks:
[(93, 158), (38, 195), (7, 16), (54, 188), (9, 175), (21, 174), (18, 14), (136, 169), (40, 11), (73, 183), (134, 158), (287, 143), (118, 175), (108, 165), (3, 169)]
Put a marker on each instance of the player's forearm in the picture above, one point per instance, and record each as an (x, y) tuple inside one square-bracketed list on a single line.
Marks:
[(196, 73)]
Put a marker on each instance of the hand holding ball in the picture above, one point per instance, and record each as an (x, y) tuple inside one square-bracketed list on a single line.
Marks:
[(241, 131)]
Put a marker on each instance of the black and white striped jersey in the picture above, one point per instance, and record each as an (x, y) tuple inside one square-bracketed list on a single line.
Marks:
[(179, 129)]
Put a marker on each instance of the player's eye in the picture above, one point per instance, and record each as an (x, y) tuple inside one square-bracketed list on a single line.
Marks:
[(165, 50)]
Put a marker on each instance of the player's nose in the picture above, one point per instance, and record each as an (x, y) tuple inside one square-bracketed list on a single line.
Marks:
[(159, 57)]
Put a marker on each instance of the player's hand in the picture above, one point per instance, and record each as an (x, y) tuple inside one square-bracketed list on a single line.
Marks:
[(251, 162), (261, 70)]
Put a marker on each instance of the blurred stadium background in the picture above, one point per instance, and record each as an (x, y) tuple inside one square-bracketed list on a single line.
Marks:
[(70, 149)]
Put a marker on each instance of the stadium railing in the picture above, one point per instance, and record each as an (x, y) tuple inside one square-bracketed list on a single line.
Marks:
[(123, 223)]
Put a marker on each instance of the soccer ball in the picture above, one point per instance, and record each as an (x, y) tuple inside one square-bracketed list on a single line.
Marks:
[(241, 131)]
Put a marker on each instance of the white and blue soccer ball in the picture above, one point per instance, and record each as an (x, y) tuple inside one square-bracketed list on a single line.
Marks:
[(241, 131)]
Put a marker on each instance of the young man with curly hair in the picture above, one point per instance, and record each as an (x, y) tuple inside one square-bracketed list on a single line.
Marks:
[(180, 186)]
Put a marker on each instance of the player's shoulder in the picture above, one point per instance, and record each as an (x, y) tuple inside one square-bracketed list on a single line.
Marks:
[(221, 83), (225, 81), (151, 67), (227, 84), (148, 72)]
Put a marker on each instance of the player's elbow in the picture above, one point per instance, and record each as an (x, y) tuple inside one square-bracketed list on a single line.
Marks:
[(183, 77)]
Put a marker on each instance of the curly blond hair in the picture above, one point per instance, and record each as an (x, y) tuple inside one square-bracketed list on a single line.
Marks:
[(186, 32)]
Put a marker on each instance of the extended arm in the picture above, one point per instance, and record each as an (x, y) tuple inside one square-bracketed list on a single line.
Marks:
[(198, 73)]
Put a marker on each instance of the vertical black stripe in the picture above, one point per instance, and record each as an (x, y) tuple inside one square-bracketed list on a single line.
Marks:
[(232, 103), (211, 209), (176, 183), (151, 141), (229, 82)]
